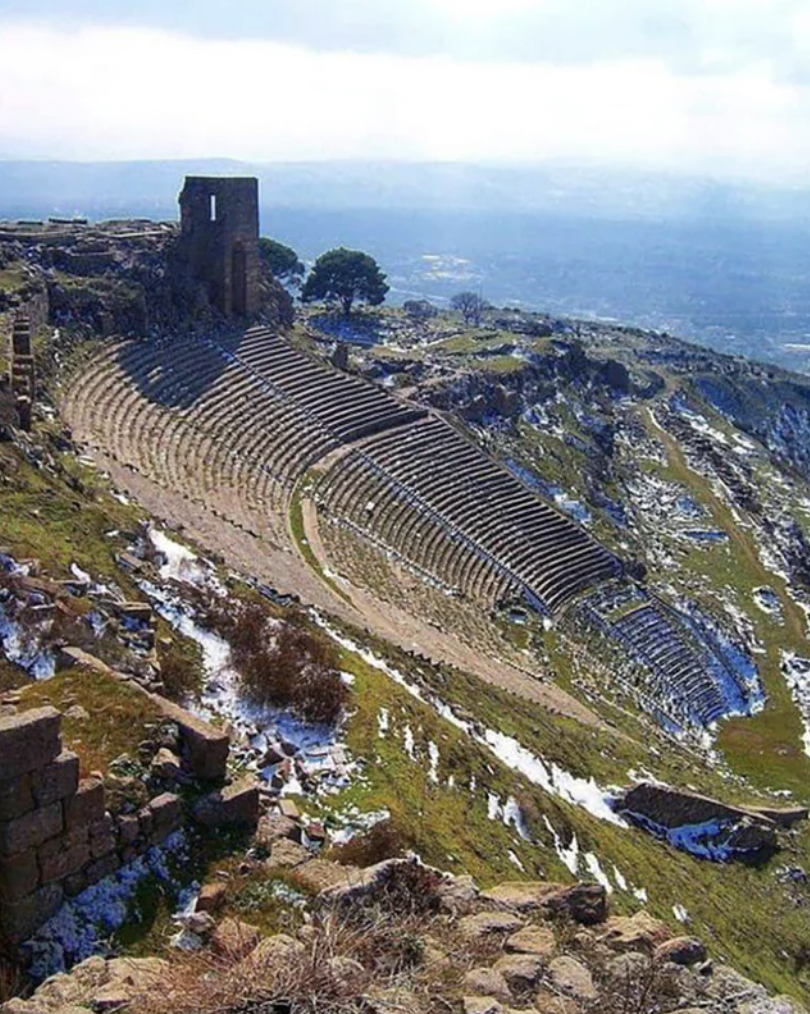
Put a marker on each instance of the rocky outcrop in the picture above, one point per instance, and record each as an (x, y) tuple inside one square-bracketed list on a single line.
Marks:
[(701, 825)]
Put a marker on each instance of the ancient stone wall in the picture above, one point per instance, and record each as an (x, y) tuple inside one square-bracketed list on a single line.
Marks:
[(219, 219), (23, 377), (56, 835)]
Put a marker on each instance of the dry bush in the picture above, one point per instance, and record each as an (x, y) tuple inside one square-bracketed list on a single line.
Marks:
[(283, 664), (307, 981), (297, 670), (646, 988), (384, 841), (179, 675)]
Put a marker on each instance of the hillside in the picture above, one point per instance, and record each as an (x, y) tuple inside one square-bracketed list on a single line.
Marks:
[(527, 600)]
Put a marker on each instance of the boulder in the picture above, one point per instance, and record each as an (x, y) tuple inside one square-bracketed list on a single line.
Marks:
[(538, 940), (273, 826), (525, 896), (275, 951), (572, 978), (166, 765), (481, 1005), (486, 924), (212, 897), (681, 951), (234, 939), (547, 1002), (521, 971), (639, 932), (487, 982), (583, 903), (29, 741), (318, 875), (236, 805), (286, 853)]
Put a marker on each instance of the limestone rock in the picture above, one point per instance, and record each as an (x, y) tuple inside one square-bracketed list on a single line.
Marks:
[(681, 951), (487, 982), (584, 903), (547, 1002), (287, 853), (273, 951), (236, 805), (521, 971), (274, 826), (639, 932), (234, 939), (525, 896), (481, 1005), (318, 875), (212, 897), (572, 978), (486, 924), (537, 940)]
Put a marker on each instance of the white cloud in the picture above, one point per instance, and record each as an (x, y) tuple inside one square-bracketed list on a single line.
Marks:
[(116, 92)]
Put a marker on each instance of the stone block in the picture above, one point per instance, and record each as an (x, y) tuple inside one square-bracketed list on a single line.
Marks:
[(64, 863), (58, 780), (203, 746), (64, 841), (236, 805), (167, 813), (16, 796), (30, 830), (19, 875), (128, 828), (101, 868), (87, 805), (29, 741), (19, 919)]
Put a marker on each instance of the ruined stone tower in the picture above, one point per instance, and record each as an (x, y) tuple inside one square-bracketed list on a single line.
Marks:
[(219, 218)]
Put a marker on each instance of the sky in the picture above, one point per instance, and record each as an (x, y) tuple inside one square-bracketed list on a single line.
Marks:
[(714, 87)]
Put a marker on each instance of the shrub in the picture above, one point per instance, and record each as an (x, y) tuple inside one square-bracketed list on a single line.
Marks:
[(284, 664)]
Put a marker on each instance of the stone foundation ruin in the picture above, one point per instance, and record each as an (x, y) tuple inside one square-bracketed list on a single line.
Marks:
[(23, 378)]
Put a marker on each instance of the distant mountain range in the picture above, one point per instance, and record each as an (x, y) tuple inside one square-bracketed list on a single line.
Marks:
[(725, 263)]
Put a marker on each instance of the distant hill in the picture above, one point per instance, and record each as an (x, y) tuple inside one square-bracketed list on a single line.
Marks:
[(725, 263)]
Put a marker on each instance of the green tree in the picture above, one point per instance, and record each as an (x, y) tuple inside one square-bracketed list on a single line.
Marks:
[(282, 261), (346, 276)]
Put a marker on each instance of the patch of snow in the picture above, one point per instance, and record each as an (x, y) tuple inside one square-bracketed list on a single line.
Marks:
[(619, 877), (640, 893), (383, 722), (514, 859), (595, 869), (680, 913), (569, 854), (796, 671), (551, 777), (433, 754), (352, 823), (408, 742)]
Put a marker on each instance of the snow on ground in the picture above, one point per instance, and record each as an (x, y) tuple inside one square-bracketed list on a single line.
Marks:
[(514, 859), (433, 754), (408, 742), (767, 600), (582, 792), (351, 822), (569, 854), (796, 671), (383, 722), (594, 867), (680, 913)]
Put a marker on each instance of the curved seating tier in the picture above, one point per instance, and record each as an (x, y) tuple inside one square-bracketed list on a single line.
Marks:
[(426, 470)]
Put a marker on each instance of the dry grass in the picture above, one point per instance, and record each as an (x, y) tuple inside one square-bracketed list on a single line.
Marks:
[(282, 663)]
